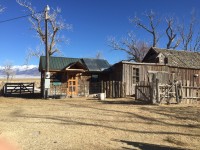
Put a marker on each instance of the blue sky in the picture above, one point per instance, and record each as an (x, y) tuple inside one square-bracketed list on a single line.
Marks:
[(93, 22)]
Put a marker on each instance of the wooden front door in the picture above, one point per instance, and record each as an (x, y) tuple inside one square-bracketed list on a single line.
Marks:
[(72, 85)]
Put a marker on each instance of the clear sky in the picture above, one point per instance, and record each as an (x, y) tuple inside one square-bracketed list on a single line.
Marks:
[(93, 22)]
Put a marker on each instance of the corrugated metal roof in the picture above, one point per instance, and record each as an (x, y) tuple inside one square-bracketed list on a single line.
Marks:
[(57, 63), (60, 63), (96, 64), (180, 58)]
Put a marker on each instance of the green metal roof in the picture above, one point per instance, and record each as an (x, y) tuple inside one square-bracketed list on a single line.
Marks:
[(60, 63), (96, 64), (56, 63)]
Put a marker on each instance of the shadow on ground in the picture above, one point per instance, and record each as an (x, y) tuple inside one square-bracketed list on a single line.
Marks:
[(146, 146), (26, 96), (125, 102)]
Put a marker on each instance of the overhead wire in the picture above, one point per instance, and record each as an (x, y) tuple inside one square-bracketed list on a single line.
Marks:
[(16, 18)]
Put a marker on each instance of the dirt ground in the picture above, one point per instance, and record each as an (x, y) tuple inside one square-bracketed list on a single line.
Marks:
[(82, 123)]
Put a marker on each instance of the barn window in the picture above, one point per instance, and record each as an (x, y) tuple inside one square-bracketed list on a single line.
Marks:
[(94, 78), (136, 77)]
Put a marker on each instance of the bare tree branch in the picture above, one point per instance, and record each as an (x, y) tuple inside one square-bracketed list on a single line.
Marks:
[(153, 24), (8, 70), (55, 25), (196, 47), (136, 50), (188, 35), (170, 31), (99, 55), (33, 53)]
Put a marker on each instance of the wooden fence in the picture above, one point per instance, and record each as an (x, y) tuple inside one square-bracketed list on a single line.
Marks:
[(18, 88), (167, 93), (190, 94), (143, 91), (112, 89)]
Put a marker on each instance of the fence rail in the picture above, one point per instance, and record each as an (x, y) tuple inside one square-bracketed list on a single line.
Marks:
[(162, 93), (18, 88)]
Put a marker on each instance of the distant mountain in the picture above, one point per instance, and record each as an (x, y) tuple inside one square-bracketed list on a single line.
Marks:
[(23, 71)]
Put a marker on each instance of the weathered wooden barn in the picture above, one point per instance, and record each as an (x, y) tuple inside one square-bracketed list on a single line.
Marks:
[(168, 66), (168, 70), (74, 76)]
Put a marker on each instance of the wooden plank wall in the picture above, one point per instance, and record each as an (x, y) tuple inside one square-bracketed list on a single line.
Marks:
[(190, 83), (186, 76), (127, 73)]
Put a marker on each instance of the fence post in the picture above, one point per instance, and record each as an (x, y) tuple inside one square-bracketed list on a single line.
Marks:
[(157, 91), (119, 89), (153, 89), (33, 87), (20, 88), (110, 86), (113, 85), (136, 86), (102, 87), (124, 91), (176, 92), (5, 89), (107, 89)]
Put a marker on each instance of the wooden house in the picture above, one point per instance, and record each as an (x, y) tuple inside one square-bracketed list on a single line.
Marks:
[(83, 76), (168, 65), (74, 76)]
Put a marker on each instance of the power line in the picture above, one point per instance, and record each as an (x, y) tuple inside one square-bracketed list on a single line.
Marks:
[(16, 18)]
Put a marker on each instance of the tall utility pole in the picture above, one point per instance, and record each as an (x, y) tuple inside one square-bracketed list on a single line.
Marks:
[(46, 37), (47, 73)]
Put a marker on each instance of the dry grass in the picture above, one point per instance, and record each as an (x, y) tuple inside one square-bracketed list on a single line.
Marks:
[(91, 124)]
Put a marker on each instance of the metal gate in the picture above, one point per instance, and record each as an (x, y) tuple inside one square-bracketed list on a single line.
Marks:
[(18, 88)]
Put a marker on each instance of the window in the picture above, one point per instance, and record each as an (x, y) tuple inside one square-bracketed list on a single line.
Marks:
[(94, 78), (136, 76), (56, 77)]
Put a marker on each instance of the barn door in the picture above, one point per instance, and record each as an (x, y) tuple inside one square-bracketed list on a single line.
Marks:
[(72, 85)]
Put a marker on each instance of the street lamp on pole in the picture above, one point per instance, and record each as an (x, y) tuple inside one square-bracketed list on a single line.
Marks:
[(47, 73), (46, 37)]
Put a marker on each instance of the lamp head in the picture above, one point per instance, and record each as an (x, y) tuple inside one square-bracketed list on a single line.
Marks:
[(47, 8)]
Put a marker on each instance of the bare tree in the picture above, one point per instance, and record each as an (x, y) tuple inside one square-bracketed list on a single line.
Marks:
[(190, 40), (186, 37), (55, 25), (8, 70), (177, 35), (99, 55), (171, 34), (135, 49), (151, 28), (33, 53), (196, 46)]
